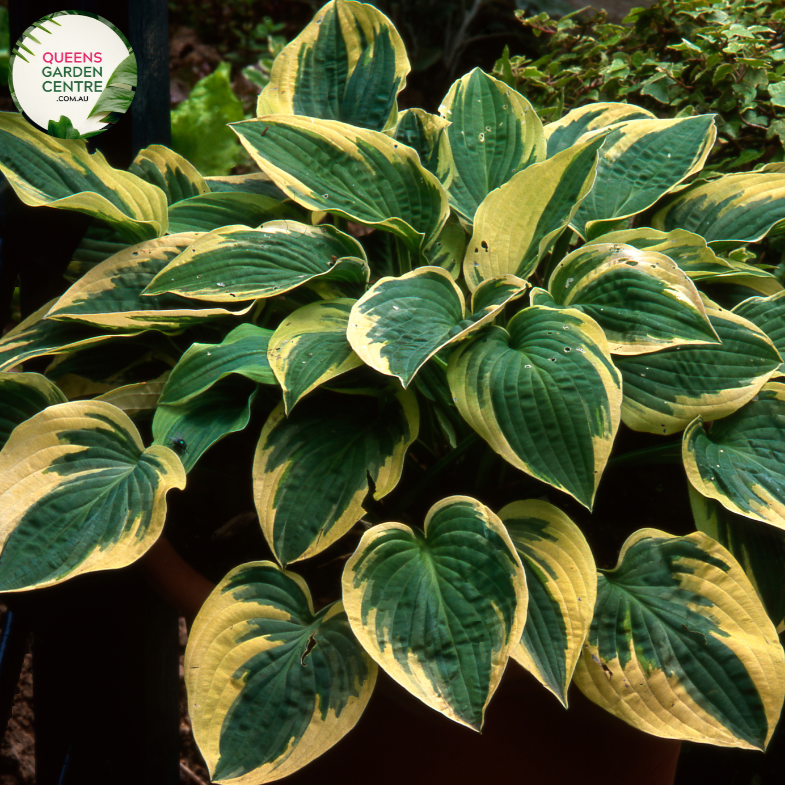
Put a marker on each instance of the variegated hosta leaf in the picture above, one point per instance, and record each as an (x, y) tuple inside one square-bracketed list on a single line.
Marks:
[(165, 168), (237, 263), (98, 243), (311, 469), (692, 254), (440, 611), (569, 129), (742, 207), (21, 396), (641, 299), (747, 279), (271, 684), (37, 336), (562, 580), (768, 313), (136, 399), (44, 170), (310, 347), (400, 322), (191, 428), (110, 295), (79, 493), (680, 645), (493, 294), (422, 131), (493, 133), (641, 161), (449, 248), (348, 64), (110, 364), (689, 251), (740, 460), (205, 212), (243, 351), (758, 548), (517, 223), (364, 176), (666, 390), (544, 394), (254, 183)]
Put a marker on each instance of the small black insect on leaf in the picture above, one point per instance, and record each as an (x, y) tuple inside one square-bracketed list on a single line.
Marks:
[(178, 444)]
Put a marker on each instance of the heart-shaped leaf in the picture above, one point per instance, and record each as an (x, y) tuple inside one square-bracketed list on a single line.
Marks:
[(191, 428), (566, 132), (689, 251), (271, 684), (136, 399), (311, 470), (680, 645), (562, 582), (422, 131), (400, 322), (79, 493), (37, 336), (348, 64), (205, 212), (440, 612), (544, 394)]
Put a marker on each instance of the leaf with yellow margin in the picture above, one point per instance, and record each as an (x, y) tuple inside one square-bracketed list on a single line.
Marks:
[(271, 684), (680, 645)]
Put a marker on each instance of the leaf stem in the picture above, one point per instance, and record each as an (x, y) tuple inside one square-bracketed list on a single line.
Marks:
[(661, 453), (434, 473)]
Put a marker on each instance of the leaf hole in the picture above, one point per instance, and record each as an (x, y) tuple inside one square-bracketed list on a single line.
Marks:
[(309, 647)]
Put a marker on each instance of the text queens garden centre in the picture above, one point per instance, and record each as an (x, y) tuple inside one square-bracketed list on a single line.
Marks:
[(83, 76)]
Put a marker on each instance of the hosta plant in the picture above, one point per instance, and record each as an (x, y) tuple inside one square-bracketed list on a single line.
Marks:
[(436, 336)]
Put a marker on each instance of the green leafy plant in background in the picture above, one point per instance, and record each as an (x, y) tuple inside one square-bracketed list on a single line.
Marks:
[(676, 58), (444, 326), (234, 27), (199, 124)]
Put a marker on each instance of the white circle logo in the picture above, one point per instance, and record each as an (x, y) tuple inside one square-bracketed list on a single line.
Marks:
[(72, 74)]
